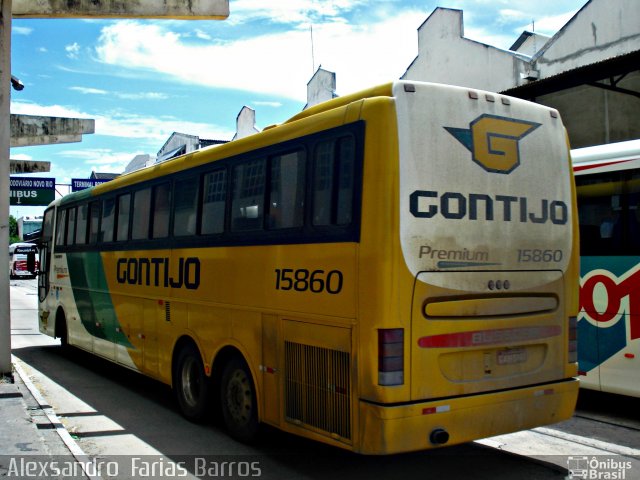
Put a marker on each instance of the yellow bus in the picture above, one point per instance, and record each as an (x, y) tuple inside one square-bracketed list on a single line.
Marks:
[(389, 271)]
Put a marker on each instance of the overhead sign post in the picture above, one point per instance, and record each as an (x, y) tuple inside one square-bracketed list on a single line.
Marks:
[(31, 191), (170, 9)]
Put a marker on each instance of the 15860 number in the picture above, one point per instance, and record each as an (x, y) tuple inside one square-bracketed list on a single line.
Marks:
[(302, 280), (536, 255)]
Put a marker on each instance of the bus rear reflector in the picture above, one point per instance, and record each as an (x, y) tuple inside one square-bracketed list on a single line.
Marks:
[(390, 356), (573, 339)]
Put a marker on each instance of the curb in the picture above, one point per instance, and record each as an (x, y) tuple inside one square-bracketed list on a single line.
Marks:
[(82, 458)]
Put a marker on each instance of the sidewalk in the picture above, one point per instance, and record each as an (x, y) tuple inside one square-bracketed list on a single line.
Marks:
[(31, 435)]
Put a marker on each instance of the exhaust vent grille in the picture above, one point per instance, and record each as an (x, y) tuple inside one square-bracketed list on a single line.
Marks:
[(318, 388)]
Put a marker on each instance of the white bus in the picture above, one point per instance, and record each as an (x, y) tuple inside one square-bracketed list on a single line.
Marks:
[(608, 188), (22, 260)]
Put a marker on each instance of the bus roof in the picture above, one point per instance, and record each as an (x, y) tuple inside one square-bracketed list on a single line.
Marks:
[(615, 156)]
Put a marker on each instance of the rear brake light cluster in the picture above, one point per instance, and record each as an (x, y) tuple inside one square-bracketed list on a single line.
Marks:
[(390, 356), (573, 339)]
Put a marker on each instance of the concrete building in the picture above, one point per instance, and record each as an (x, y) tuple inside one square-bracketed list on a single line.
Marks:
[(103, 176), (138, 162), (245, 123), (589, 70), (181, 143), (321, 87)]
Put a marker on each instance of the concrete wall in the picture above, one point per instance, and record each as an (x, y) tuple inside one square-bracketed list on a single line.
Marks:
[(177, 140), (321, 87), (600, 31), (594, 116), (445, 56), (245, 123)]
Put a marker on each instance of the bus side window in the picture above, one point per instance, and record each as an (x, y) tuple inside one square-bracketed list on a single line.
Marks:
[(141, 207), (346, 158), (71, 225), (108, 217), (161, 210), (286, 196), (94, 221), (247, 207), (186, 206), (322, 182), (214, 200), (124, 208), (333, 182), (47, 226), (61, 227), (81, 224)]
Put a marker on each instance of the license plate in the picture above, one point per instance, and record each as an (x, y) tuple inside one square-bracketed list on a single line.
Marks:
[(512, 357)]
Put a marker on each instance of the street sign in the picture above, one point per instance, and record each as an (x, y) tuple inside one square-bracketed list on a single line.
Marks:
[(78, 184), (31, 191)]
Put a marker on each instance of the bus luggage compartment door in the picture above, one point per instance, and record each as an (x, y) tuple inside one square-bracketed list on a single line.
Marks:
[(475, 339)]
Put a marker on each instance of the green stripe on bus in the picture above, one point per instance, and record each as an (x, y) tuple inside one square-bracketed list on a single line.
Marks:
[(92, 297), (77, 196)]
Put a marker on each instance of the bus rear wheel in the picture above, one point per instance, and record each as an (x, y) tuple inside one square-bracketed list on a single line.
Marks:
[(238, 401), (192, 386)]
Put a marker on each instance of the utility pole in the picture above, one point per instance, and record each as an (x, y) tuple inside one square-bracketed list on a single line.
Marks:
[(5, 92)]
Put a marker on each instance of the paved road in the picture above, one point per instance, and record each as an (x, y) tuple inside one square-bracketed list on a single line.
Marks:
[(116, 415)]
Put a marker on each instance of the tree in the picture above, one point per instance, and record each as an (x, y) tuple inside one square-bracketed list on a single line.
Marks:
[(13, 230)]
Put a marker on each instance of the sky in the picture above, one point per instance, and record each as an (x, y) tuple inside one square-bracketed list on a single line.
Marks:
[(142, 80)]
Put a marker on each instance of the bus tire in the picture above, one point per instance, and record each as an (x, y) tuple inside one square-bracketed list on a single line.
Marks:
[(62, 332), (238, 401), (191, 385)]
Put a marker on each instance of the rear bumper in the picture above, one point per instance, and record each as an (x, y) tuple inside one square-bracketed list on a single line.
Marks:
[(385, 429), (23, 273)]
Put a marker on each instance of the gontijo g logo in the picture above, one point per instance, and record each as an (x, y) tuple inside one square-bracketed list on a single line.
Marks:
[(493, 141)]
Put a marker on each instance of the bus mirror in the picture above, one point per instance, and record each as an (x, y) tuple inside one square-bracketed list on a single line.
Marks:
[(31, 262)]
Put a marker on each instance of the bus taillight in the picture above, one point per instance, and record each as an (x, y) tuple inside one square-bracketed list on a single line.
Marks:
[(573, 339), (390, 356)]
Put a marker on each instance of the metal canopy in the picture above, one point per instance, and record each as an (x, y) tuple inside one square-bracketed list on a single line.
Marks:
[(612, 70)]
